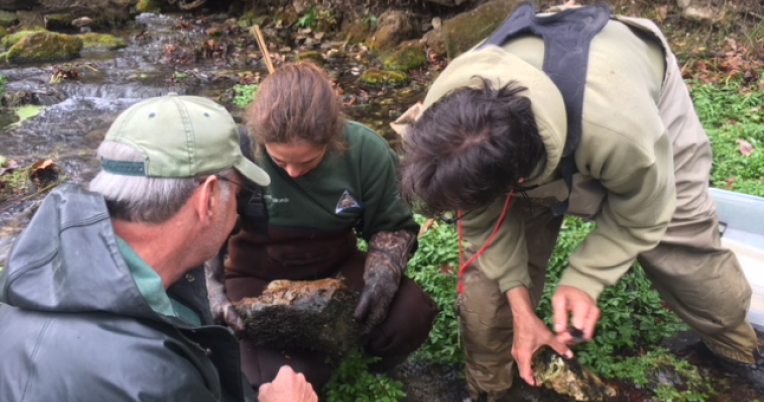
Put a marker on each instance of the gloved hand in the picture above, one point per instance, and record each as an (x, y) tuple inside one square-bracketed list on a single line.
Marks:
[(385, 264), (223, 311)]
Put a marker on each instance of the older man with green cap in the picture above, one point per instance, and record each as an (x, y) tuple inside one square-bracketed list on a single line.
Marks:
[(104, 295)]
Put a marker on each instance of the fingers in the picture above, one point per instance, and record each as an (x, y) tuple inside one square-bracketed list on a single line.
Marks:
[(560, 348), (233, 319), (363, 307), (585, 316), (523, 360), (560, 311)]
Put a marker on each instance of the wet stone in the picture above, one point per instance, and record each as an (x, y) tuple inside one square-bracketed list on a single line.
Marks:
[(303, 315)]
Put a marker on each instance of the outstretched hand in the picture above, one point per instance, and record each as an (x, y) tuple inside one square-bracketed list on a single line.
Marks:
[(288, 386), (223, 312), (582, 310)]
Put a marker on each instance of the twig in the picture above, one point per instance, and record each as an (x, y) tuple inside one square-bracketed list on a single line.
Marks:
[(263, 47)]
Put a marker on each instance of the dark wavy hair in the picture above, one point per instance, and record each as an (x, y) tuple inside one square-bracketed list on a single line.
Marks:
[(469, 148)]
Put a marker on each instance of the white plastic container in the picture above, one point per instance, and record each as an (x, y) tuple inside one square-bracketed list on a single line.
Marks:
[(742, 217)]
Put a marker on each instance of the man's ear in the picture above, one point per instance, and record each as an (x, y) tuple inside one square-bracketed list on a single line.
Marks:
[(205, 202)]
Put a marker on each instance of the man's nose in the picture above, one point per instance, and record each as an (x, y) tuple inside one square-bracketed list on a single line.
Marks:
[(294, 171)]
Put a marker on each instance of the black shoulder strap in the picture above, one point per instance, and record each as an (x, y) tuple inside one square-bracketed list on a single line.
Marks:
[(566, 36)]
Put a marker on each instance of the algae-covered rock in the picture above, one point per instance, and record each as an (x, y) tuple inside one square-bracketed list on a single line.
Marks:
[(96, 41), (11, 39), (7, 18), (303, 315), (380, 77), (45, 46), (411, 55), (148, 6), (467, 29), (314, 56), (568, 377)]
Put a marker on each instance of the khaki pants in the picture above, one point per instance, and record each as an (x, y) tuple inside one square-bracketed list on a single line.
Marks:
[(697, 278)]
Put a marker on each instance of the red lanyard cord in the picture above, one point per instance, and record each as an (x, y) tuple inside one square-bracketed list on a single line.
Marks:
[(463, 265)]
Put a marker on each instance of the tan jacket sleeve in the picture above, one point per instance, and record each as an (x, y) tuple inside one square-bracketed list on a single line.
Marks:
[(637, 171), (506, 258)]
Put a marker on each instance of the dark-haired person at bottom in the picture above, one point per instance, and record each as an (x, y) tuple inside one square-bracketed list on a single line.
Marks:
[(580, 100), (104, 297), (331, 179)]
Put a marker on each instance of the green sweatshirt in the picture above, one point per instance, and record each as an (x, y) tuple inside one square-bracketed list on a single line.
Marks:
[(355, 188), (624, 151)]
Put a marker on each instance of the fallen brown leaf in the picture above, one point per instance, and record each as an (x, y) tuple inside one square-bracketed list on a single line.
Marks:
[(745, 147)]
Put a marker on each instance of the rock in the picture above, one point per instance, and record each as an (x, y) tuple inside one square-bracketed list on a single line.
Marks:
[(314, 56), (30, 20), (13, 5), (105, 13), (409, 56), (148, 6), (58, 22), (707, 11), (45, 46), (7, 19), (82, 22), (355, 31), (380, 78), (568, 377), (11, 39), (467, 29), (305, 315), (97, 41), (393, 27)]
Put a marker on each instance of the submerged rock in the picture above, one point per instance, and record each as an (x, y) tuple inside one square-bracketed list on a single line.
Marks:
[(411, 55), (45, 46), (379, 78), (568, 377), (306, 315), (96, 41)]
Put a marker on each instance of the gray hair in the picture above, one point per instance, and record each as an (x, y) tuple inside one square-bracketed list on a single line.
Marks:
[(141, 198)]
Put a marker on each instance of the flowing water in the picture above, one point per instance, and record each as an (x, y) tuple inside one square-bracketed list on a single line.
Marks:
[(164, 54)]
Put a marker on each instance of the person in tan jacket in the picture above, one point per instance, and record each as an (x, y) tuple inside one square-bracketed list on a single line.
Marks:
[(611, 136)]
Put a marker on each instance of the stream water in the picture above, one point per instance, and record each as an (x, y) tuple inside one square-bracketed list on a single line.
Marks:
[(78, 112)]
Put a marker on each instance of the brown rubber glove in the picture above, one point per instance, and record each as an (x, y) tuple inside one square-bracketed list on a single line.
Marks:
[(223, 312), (385, 264)]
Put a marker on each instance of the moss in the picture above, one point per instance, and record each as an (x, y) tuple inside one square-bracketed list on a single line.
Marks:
[(148, 6), (11, 39), (464, 31), (411, 55), (45, 46), (379, 77), (7, 19), (96, 41), (313, 56)]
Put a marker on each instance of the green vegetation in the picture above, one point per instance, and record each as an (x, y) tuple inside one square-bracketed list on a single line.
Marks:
[(3, 83), (434, 267), (309, 19), (653, 369), (244, 94), (353, 382), (731, 116)]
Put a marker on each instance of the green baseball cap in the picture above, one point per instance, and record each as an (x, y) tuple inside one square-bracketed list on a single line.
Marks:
[(180, 136)]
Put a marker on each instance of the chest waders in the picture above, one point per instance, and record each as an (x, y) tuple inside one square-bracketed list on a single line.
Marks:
[(567, 36)]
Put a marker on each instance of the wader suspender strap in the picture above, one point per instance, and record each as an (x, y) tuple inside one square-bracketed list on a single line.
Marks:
[(566, 36)]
